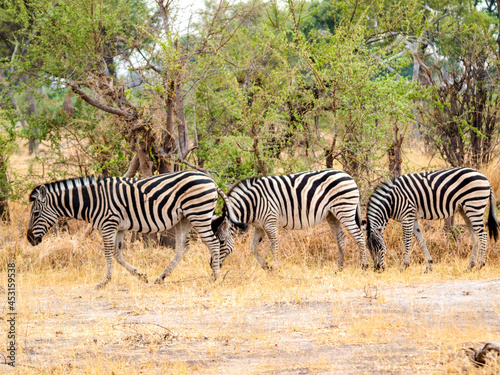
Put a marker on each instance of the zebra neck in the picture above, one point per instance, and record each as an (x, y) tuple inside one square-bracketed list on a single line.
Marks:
[(242, 208), (381, 209), (78, 202)]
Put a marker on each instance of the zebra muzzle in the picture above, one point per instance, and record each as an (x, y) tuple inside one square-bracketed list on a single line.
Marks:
[(32, 239)]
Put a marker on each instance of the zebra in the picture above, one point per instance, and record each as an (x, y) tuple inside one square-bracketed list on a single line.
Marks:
[(145, 205), (430, 195), (297, 201)]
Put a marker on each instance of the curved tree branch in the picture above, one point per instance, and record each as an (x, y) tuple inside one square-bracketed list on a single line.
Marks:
[(95, 103)]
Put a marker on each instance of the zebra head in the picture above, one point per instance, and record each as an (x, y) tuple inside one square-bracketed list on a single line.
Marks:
[(224, 228), (42, 216), (378, 212), (376, 246)]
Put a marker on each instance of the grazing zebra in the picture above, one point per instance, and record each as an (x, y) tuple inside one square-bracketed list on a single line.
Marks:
[(297, 201), (144, 205), (431, 195)]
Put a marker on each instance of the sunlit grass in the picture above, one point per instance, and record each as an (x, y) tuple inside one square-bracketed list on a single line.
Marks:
[(249, 321)]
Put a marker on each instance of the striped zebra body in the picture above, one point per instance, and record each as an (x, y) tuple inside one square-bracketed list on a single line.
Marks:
[(431, 195), (117, 205), (298, 201)]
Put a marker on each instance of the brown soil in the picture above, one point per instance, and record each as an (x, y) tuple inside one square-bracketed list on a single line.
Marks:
[(396, 329)]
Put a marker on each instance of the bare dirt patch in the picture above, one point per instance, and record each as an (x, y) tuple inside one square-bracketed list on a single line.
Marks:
[(192, 326)]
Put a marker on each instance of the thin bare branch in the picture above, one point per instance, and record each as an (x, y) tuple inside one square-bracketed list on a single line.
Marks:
[(95, 103)]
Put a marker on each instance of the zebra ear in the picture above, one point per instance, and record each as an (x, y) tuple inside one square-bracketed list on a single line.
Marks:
[(364, 226), (217, 222), (42, 193)]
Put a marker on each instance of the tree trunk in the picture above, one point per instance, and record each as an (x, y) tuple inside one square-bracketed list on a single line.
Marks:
[(68, 106), (260, 163), (4, 208), (167, 238), (146, 170), (349, 156), (133, 167), (145, 163), (181, 121), (498, 15), (4, 190), (329, 153), (395, 157), (449, 224), (33, 111)]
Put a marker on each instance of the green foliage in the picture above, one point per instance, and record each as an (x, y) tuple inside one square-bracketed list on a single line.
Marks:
[(67, 38), (290, 92), (7, 147), (268, 87)]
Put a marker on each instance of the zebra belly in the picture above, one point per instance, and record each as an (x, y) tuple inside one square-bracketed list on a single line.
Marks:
[(305, 223), (442, 214), (148, 226)]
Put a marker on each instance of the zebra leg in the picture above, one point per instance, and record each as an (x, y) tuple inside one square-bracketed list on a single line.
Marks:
[(480, 241), (272, 232), (182, 246), (408, 226), (208, 237), (350, 224), (108, 237), (120, 260), (258, 236), (339, 235), (475, 242), (483, 243), (417, 232)]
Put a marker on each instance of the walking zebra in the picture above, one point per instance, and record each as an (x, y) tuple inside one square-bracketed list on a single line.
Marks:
[(297, 201), (148, 205), (431, 195)]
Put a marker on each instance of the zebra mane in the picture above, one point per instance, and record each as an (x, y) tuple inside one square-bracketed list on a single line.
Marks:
[(245, 182), (382, 190), (61, 185)]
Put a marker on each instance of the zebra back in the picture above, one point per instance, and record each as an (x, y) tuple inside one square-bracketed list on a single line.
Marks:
[(300, 200), (144, 205), (431, 195)]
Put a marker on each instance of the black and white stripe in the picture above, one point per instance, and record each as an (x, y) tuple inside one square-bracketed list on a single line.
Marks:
[(298, 201), (148, 205), (431, 195)]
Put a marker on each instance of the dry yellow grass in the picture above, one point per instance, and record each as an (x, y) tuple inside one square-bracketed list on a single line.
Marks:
[(305, 317)]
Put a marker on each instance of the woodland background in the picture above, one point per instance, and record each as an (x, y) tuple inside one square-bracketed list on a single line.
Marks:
[(244, 88), (239, 89)]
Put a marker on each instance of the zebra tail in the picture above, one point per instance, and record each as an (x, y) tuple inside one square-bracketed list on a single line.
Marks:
[(357, 217), (492, 218), (229, 210)]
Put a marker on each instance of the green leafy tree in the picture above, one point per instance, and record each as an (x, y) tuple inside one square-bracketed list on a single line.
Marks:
[(461, 116)]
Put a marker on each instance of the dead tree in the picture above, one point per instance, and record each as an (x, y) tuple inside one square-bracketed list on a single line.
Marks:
[(395, 156), (479, 357)]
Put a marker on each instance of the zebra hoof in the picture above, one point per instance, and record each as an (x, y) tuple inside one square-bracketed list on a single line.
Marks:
[(159, 280), (101, 285), (268, 268), (143, 277)]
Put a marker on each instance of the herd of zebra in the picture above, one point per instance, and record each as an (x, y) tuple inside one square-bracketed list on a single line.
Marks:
[(187, 199)]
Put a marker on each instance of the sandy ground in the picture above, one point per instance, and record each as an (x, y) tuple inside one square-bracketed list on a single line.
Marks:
[(397, 329)]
